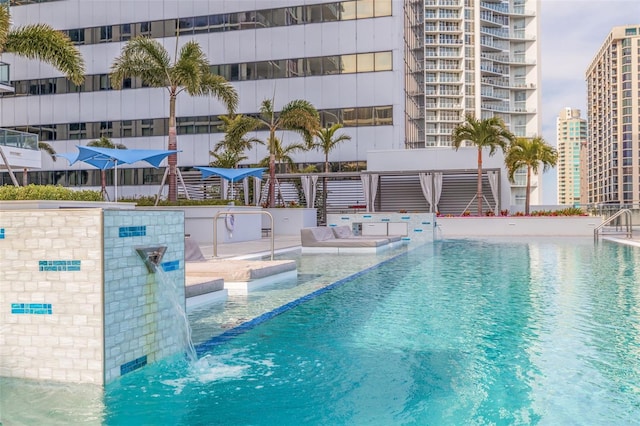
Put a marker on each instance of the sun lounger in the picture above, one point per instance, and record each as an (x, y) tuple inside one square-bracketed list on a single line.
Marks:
[(340, 239)]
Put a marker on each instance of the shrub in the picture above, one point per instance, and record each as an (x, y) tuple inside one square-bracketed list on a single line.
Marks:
[(47, 192)]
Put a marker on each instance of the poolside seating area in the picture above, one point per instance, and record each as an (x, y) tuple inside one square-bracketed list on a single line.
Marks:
[(340, 239), (209, 280)]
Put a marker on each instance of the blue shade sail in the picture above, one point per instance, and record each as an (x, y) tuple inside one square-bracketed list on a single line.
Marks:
[(106, 158), (232, 175)]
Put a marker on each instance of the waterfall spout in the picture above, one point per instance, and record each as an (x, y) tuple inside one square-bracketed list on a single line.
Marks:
[(151, 256)]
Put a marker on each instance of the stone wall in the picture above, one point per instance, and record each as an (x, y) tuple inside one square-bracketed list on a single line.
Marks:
[(141, 321), (77, 303), (51, 295)]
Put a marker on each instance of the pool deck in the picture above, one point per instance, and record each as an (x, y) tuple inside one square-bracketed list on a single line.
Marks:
[(254, 248)]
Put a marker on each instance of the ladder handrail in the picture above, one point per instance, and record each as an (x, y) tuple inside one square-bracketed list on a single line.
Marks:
[(234, 212), (628, 217)]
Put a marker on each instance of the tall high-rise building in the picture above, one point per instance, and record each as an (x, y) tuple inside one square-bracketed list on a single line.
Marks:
[(613, 144), (397, 74), (571, 138), (472, 57)]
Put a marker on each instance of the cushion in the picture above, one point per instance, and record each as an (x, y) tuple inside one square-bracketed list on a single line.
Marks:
[(322, 233), (342, 231)]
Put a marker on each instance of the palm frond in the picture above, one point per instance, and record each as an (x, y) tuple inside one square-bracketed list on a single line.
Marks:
[(145, 58), (5, 25), (221, 89), (190, 69), (42, 42), (525, 152), (105, 142), (488, 133), (43, 146), (238, 127)]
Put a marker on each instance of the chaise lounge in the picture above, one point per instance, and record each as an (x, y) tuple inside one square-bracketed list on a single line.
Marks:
[(340, 239)]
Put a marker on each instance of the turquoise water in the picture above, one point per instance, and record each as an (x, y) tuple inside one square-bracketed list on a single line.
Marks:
[(461, 332), (454, 333)]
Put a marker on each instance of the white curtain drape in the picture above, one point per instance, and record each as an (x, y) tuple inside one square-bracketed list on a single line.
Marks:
[(224, 185), (426, 182), (493, 183), (309, 187), (437, 189), (369, 189), (245, 189), (365, 178), (257, 190)]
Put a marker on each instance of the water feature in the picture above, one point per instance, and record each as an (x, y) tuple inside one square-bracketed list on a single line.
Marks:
[(171, 302), (151, 256)]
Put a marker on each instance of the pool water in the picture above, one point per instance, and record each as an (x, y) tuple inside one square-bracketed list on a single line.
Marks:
[(456, 332)]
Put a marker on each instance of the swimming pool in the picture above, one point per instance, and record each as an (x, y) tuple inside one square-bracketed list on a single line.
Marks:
[(455, 332)]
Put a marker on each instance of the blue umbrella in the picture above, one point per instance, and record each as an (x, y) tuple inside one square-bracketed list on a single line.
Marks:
[(107, 158), (232, 175)]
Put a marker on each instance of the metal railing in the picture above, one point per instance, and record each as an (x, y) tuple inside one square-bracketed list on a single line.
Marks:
[(628, 226), (232, 213), (13, 138)]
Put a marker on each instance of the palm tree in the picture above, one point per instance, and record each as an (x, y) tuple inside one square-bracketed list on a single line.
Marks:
[(105, 142), (42, 146), (327, 141), (529, 153), (488, 133), (298, 116), (227, 159), (282, 155), (147, 59), (41, 42), (235, 142)]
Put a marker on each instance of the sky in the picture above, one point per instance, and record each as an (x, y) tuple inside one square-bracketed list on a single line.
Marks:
[(571, 33)]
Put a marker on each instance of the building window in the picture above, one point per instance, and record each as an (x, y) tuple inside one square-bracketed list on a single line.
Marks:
[(77, 131), (106, 33), (77, 35)]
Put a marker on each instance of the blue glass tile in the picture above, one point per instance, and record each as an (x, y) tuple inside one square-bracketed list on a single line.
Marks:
[(406, 239), (417, 230), (170, 266), (59, 265), (366, 216), (405, 217), (332, 224), (32, 308), (1, 233), (425, 223), (132, 231), (130, 366), (345, 218), (385, 220)]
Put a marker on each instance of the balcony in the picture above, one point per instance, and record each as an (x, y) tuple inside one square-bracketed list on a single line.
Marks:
[(5, 82), (11, 138), (20, 150)]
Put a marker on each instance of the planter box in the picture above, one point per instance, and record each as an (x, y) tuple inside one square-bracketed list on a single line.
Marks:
[(290, 221), (563, 226), (198, 223)]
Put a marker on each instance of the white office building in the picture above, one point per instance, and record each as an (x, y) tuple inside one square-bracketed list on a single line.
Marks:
[(399, 74)]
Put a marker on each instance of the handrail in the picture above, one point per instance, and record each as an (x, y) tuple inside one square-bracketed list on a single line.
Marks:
[(234, 212), (619, 213)]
